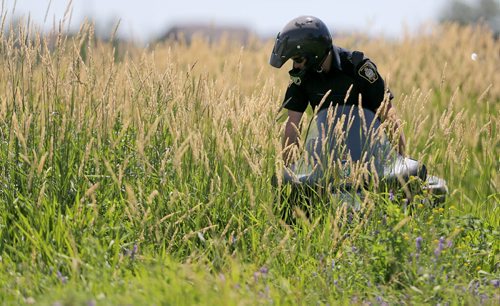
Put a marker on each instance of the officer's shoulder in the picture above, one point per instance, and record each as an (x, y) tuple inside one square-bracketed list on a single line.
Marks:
[(354, 58), (360, 65)]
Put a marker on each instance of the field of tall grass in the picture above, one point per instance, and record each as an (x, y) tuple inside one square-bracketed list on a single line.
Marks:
[(134, 176)]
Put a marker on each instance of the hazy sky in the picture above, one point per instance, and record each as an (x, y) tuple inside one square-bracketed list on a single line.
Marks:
[(146, 19)]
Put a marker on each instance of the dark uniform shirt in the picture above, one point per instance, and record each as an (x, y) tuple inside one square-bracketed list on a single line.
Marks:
[(348, 69)]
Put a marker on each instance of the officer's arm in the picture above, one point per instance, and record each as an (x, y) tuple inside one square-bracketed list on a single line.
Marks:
[(375, 90), (291, 135), (395, 128)]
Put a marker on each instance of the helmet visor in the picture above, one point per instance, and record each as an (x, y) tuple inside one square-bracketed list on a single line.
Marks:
[(277, 57)]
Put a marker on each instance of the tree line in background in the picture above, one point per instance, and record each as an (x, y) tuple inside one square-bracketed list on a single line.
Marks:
[(477, 12), (463, 12)]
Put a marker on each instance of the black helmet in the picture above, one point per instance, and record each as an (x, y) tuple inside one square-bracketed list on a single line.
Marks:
[(304, 36)]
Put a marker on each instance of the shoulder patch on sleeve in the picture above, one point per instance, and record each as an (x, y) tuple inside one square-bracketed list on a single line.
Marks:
[(368, 72)]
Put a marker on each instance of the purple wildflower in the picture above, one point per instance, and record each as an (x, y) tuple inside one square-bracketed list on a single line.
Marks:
[(437, 252), (391, 195), (449, 243), (61, 277), (440, 247), (133, 252), (418, 243), (495, 283), (483, 297), (261, 273), (474, 287), (380, 301)]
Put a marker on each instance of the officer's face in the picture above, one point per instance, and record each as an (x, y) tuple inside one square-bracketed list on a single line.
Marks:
[(299, 62)]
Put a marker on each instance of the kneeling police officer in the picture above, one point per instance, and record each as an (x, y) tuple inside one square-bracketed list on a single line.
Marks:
[(324, 75)]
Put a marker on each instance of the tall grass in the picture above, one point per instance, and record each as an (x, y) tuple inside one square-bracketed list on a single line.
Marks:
[(143, 175)]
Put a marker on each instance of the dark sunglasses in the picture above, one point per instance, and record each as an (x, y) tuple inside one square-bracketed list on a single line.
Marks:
[(298, 59)]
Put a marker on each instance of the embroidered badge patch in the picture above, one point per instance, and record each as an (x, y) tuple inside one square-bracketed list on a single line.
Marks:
[(368, 72)]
